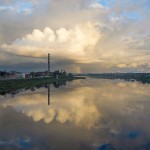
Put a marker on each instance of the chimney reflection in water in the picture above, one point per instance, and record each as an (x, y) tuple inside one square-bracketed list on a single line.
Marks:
[(48, 94)]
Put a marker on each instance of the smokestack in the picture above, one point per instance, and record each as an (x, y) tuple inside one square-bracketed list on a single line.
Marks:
[(48, 64)]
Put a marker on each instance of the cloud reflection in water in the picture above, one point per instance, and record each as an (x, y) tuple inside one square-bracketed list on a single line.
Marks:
[(113, 111)]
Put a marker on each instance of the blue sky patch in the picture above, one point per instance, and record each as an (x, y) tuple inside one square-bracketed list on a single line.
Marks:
[(132, 15), (24, 5), (106, 3)]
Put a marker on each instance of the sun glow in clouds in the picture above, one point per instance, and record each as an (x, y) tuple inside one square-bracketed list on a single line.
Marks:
[(94, 35), (65, 42)]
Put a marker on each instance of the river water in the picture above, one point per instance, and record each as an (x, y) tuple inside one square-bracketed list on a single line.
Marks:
[(91, 114)]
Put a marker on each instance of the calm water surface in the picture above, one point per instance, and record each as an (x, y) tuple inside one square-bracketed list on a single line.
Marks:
[(91, 114)]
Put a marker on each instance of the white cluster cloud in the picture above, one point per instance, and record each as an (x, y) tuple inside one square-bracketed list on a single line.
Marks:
[(74, 43)]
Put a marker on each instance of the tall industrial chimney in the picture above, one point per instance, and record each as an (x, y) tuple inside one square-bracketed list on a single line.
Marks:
[(48, 64)]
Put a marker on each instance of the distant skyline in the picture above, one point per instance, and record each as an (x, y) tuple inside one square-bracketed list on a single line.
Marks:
[(82, 36)]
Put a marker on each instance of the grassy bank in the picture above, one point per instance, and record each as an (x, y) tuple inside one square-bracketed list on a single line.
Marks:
[(7, 86)]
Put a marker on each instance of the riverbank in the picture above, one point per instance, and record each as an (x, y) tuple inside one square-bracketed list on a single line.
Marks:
[(8, 86), (140, 77)]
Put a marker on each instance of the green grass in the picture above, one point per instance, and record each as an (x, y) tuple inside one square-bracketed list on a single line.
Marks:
[(7, 86)]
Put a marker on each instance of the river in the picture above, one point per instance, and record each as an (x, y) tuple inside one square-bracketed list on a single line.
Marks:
[(90, 114)]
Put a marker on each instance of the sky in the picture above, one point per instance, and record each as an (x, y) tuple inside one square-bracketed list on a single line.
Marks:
[(82, 36)]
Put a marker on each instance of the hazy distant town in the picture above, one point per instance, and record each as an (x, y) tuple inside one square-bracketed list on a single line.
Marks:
[(141, 77), (6, 75)]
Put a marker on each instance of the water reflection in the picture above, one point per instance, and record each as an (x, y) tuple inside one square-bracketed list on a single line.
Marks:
[(84, 114), (49, 94)]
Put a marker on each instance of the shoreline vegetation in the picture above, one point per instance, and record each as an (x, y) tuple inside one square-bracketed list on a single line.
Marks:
[(139, 77), (12, 85)]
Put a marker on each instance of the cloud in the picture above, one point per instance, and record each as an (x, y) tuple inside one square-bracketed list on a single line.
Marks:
[(62, 41), (84, 31), (74, 44)]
